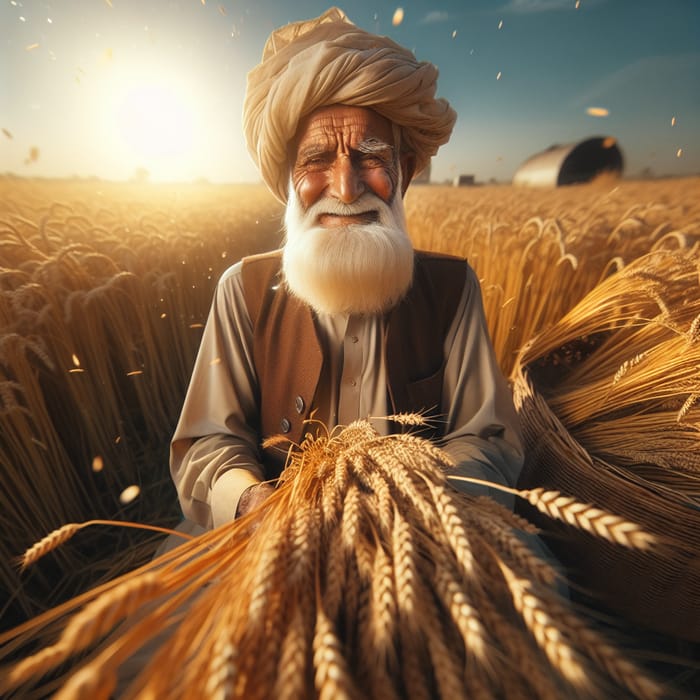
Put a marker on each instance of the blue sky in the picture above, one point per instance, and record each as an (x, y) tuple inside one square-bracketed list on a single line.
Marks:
[(102, 87)]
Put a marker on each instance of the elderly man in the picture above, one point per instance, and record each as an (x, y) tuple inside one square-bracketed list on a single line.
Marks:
[(347, 321)]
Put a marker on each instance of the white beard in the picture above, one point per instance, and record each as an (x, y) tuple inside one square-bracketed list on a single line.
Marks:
[(354, 269)]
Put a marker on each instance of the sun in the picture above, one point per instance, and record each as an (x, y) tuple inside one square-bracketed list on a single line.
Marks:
[(152, 123), (155, 125), (155, 122)]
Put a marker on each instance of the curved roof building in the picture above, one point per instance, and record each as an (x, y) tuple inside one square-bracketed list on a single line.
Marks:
[(572, 163)]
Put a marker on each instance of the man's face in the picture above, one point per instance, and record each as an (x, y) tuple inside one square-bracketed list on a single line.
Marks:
[(347, 249), (341, 153)]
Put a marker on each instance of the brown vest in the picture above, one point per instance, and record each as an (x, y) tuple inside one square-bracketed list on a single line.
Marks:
[(288, 357)]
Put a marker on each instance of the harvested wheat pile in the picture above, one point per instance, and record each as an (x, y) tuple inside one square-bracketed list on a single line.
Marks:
[(608, 401), (365, 575)]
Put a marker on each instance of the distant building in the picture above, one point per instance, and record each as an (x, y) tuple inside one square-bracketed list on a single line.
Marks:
[(464, 181), (572, 163)]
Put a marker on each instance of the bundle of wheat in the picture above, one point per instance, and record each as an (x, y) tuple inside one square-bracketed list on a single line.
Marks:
[(365, 575), (608, 402)]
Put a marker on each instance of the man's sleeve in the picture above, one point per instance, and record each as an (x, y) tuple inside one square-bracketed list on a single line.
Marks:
[(483, 433), (214, 453)]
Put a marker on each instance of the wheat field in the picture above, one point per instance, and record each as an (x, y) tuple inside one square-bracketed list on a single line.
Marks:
[(592, 298)]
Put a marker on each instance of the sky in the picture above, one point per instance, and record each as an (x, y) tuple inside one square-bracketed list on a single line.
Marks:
[(102, 88)]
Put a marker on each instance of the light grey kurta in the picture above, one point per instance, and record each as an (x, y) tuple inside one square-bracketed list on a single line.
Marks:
[(215, 453)]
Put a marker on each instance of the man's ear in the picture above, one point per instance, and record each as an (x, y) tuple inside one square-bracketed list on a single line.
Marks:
[(407, 162)]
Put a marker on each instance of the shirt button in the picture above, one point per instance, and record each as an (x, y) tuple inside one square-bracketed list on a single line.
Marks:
[(285, 425), (299, 404), (353, 382), (354, 338)]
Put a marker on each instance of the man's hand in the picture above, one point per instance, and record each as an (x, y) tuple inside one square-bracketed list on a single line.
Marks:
[(252, 497)]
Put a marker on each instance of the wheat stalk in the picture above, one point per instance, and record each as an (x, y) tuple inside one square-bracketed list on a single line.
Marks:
[(62, 534), (584, 516)]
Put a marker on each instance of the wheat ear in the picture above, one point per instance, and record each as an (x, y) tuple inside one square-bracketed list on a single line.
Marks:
[(332, 677), (221, 680), (544, 629), (58, 537), (47, 544), (93, 621), (88, 682), (581, 515), (290, 683)]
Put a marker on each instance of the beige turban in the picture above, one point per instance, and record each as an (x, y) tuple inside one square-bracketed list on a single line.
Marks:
[(326, 61)]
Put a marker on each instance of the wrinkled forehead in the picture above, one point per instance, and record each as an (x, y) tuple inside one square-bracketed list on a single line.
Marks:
[(326, 127)]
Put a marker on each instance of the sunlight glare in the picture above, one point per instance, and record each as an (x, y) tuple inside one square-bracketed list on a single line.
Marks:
[(155, 122)]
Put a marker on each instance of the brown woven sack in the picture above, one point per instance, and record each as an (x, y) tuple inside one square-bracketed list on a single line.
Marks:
[(658, 589)]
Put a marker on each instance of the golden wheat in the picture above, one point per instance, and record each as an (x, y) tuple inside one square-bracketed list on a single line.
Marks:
[(591, 292), (347, 599)]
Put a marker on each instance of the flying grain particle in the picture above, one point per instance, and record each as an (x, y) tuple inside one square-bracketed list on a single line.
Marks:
[(134, 373), (49, 20), (164, 315), (130, 492), (673, 121), (196, 325), (216, 361), (109, 2), (597, 112), (117, 439), (22, 19), (97, 464), (679, 153), (31, 47), (76, 360), (498, 77), (398, 16), (222, 10), (33, 155), (454, 33), (578, 4), (500, 24), (609, 142), (7, 133)]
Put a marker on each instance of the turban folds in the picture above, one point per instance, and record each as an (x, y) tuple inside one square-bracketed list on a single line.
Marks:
[(327, 61)]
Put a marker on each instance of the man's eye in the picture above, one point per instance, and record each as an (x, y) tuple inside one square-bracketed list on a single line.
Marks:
[(374, 160), (371, 160), (315, 162)]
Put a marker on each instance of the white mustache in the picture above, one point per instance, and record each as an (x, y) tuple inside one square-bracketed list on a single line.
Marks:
[(365, 204)]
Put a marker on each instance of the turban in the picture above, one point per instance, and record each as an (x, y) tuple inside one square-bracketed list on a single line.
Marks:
[(327, 61)]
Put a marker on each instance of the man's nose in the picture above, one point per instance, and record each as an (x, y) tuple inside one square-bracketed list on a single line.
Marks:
[(346, 182)]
